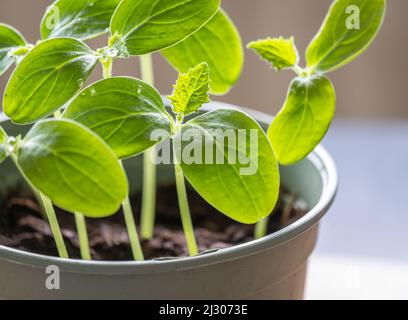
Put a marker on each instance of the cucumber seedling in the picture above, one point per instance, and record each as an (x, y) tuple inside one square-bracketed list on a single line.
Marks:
[(127, 113), (50, 73), (348, 30)]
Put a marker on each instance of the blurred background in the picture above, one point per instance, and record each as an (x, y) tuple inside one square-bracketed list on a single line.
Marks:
[(363, 246)]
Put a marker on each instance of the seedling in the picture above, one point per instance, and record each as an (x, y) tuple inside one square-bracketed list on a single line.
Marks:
[(348, 30), (127, 113), (73, 159), (50, 73)]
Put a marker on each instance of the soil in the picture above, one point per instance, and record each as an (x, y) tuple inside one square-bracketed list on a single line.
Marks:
[(23, 227)]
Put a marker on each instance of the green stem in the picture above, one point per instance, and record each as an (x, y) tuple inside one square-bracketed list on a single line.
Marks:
[(131, 227), (82, 236), (56, 231), (146, 64), (261, 228), (149, 195), (47, 206), (57, 114), (149, 167), (126, 206), (107, 64), (185, 211)]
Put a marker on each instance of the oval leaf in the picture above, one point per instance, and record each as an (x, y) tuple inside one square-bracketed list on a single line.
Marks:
[(150, 25), (348, 30), (304, 120), (219, 44), (47, 78), (245, 189), (10, 39), (81, 19), (73, 167), (122, 111)]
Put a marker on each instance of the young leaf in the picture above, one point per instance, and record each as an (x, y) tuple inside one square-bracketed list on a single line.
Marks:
[(81, 19), (244, 190), (280, 52), (304, 120), (47, 78), (191, 90), (10, 39), (122, 111), (348, 30), (147, 26), (73, 167), (219, 44)]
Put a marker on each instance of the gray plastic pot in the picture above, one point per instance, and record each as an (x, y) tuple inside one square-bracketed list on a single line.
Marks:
[(270, 268)]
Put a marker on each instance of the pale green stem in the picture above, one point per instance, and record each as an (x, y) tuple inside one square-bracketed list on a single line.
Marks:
[(149, 167), (149, 195), (146, 64), (185, 211), (107, 64), (261, 228), (126, 206), (302, 72), (131, 227), (50, 213), (56, 231), (57, 114), (82, 236)]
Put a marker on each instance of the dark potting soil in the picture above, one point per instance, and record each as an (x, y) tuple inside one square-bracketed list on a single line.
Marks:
[(23, 227)]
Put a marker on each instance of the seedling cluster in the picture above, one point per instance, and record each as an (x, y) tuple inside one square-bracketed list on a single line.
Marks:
[(72, 155)]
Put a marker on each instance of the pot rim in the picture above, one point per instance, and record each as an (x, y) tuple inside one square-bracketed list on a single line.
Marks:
[(320, 158)]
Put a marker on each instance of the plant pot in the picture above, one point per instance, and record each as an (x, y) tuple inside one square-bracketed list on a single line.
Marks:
[(270, 268)]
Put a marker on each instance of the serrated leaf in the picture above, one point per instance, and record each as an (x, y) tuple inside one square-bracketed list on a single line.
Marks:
[(47, 78), (279, 52), (124, 112), (342, 38), (73, 167), (80, 19), (304, 120), (147, 26), (245, 191), (191, 90), (219, 44), (10, 39)]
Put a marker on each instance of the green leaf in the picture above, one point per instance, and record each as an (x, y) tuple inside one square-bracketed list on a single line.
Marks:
[(191, 90), (10, 40), (219, 44), (47, 78), (304, 120), (3, 141), (338, 41), (147, 26), (279, 52), (73, 167), (245, 189), (81, 19), (122, 111)]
